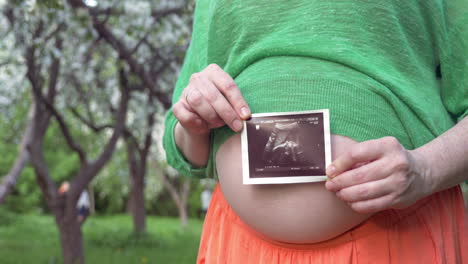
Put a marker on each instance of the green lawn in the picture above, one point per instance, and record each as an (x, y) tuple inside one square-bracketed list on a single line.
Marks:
[(108, 239)]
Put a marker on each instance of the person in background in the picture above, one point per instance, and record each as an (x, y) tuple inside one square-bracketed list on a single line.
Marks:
[(205, 199), (82, 205)]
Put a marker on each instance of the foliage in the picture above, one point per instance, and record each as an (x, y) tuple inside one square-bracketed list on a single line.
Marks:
[(109, 239), (163, 205), (88, 85), (26, 196), (194, 201), (6, 217), (111, 187)]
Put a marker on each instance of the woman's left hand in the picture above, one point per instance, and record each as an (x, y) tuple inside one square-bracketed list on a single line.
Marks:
[(379, 174)]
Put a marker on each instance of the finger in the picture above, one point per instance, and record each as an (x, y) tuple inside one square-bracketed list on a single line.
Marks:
[(373, 205), (217, 101), (229, 89), (197, 103), (362, 152), (371, 171), (189, 120), (366, 191)]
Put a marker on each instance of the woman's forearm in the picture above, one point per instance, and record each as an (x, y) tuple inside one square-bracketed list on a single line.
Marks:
[(446, 157), (194, 147)]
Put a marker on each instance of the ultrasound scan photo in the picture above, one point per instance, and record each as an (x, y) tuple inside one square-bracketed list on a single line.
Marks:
[(290, 147), (283, 146)]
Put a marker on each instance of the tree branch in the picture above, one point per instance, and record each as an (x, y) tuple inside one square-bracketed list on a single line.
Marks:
[(10, 15), (40, 120), (90, 50), (87, 172), (89, 123), (64, 128), (54, 73), (140, 42), (185, 190), (124, 52), (77, 3), (55, 32), (30, 56), (144, 151), (171, 189), (160, 14)]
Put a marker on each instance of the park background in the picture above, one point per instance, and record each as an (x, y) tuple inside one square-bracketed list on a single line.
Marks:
[(84, 86)]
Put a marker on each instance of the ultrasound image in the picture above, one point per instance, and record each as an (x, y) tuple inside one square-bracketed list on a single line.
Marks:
[(283, 147), (286, 146)]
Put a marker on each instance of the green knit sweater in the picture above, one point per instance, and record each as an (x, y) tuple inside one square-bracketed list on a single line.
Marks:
[(383, 68)]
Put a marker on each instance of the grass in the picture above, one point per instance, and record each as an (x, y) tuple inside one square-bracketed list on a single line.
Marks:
[(34, 239), (108, 239)]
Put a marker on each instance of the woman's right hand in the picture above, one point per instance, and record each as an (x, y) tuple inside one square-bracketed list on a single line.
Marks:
[(211, 100)]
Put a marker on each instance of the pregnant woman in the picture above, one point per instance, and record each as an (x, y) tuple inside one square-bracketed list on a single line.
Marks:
[(394, 75)]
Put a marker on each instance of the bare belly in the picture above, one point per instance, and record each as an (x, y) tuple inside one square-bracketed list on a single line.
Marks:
[(293, 213)]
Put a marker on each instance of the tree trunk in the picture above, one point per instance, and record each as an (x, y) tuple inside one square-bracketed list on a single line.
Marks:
[(137, 202), (183, 212), (63, 207), (179, 197), (92, 200), (9, 181), (71, 237), (183, 215)]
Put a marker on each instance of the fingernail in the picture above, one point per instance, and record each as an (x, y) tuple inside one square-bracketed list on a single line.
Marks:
[(331, 171), (237, 125), (245, 112)]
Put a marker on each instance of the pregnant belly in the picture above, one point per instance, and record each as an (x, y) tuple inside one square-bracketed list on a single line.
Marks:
[(293, 213)]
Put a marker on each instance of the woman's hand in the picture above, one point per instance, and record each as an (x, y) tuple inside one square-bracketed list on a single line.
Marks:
[(379, 174), (210, 100)]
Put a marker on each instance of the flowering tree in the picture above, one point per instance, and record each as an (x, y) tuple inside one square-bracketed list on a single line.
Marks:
[(103, 68)]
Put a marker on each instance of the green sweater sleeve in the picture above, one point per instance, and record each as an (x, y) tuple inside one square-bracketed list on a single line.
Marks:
[(455, 65), (195, 61)]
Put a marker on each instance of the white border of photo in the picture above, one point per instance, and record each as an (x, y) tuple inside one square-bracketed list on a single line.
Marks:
[(287, 179)]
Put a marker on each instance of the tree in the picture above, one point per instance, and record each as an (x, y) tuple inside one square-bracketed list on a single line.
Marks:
[(63, 206), (137, 156), (153, 65), (10, 179), (42, 41), (179, 190), (10, 63)]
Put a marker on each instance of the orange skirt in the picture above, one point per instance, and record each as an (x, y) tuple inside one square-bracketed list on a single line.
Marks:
[(434, 230)]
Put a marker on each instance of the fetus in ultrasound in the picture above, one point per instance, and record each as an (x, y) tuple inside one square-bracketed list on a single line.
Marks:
[(283, 147)]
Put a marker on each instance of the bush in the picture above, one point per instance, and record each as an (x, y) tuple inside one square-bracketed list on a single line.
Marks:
[(6, 217), (194, 201)]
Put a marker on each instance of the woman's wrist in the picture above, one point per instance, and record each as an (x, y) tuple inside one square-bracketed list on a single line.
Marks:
[(426, 170), (445, 158), (194, 146)]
